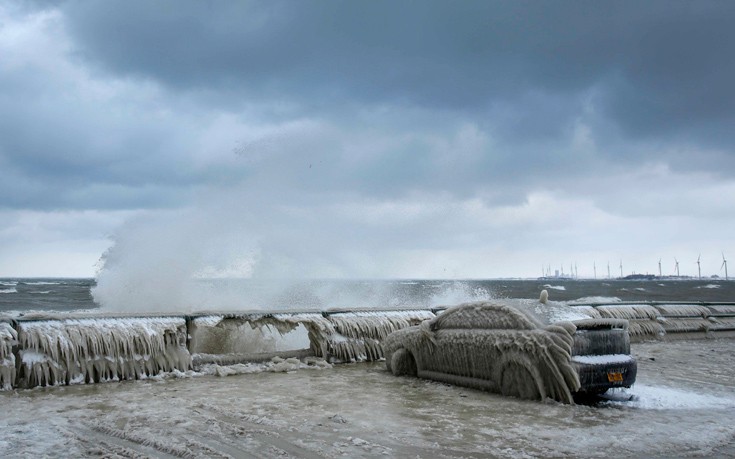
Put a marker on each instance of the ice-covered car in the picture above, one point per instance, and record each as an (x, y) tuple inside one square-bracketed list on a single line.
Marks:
[(520, 348)]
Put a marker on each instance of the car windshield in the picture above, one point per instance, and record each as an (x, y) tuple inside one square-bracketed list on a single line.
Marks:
[(547, 313)]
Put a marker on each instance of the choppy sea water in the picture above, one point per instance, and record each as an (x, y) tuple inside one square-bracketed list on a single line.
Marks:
[(64, 295)]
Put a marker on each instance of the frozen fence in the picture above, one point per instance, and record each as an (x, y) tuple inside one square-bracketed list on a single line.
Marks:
[(338, 336), (668, 319), (38, 351), (8, 339), (53, 352)]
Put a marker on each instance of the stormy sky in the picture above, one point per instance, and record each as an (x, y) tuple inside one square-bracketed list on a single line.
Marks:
[(372, 139)]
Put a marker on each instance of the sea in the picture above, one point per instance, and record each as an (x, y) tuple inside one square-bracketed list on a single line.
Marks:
[(23, 295)]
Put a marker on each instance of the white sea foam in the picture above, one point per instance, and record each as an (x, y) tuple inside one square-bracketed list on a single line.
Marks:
[(555, 287), (709, 286), (42, 283), (597, 299), (666, 398), (9, 283), (8, 290)]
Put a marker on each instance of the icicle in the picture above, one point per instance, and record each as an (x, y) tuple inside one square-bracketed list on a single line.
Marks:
[(589, 310), (678, 325), (357, 336), (522, 354), (680, 310), (723, 309), (629, 311), (485, 315), (640, 328), (94, 350), (8, 339), (722, 323)]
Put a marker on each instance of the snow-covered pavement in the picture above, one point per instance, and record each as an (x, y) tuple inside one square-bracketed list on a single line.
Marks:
[(683, 404)]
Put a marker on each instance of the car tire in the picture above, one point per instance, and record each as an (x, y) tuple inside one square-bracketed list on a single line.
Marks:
[(403, 363), (518, 381)]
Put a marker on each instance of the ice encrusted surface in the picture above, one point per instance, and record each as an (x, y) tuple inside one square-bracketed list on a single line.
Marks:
[(629, 311), (8, 338), (679, 310), (358, 335), (340, 336), (602, 359), (457, 345), (93, 350)]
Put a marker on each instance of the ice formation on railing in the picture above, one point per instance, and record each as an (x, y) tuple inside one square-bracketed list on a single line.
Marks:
[(629, 311), (658, 319), (339, 336), (683, 310), (722, 323), (100, 349), (689, 324), (8, 339), (643, 327), (358, 335), (320, 329), (723, 309), (589, 310), (235, 334)]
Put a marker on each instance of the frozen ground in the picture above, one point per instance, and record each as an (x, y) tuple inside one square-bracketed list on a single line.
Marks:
[(684, 407)]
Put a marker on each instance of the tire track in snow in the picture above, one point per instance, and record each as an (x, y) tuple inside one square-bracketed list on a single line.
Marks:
[(265, 434), (118, 442)]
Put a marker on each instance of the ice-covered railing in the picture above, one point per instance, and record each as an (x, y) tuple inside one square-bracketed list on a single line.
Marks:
[(338, 336), (49, 350), (8, 339), (89, 350), (358, 334), (652, 319)]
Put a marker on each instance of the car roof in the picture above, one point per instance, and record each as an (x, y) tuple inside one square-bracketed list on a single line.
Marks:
[(508, 314)]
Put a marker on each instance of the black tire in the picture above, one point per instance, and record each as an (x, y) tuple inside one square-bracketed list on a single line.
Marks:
[(402, 363), (517, 381)]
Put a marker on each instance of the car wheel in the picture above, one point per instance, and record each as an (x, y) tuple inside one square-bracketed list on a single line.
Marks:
[(517, 381), (403, 363)]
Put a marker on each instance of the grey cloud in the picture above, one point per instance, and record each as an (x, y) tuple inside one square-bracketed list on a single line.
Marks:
[(390, 85), (672, 59)]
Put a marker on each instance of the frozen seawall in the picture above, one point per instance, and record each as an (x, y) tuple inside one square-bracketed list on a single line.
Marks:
[(67, 349)]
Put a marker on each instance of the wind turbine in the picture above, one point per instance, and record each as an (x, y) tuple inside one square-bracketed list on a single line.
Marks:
[(676, 267), (594, 267), (621, 267), (724, 264), (659, 267), (699, 267), (608, 270)]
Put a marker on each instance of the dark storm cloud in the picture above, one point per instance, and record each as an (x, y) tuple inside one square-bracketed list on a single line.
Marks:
[(470, 98), (659, 68)]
